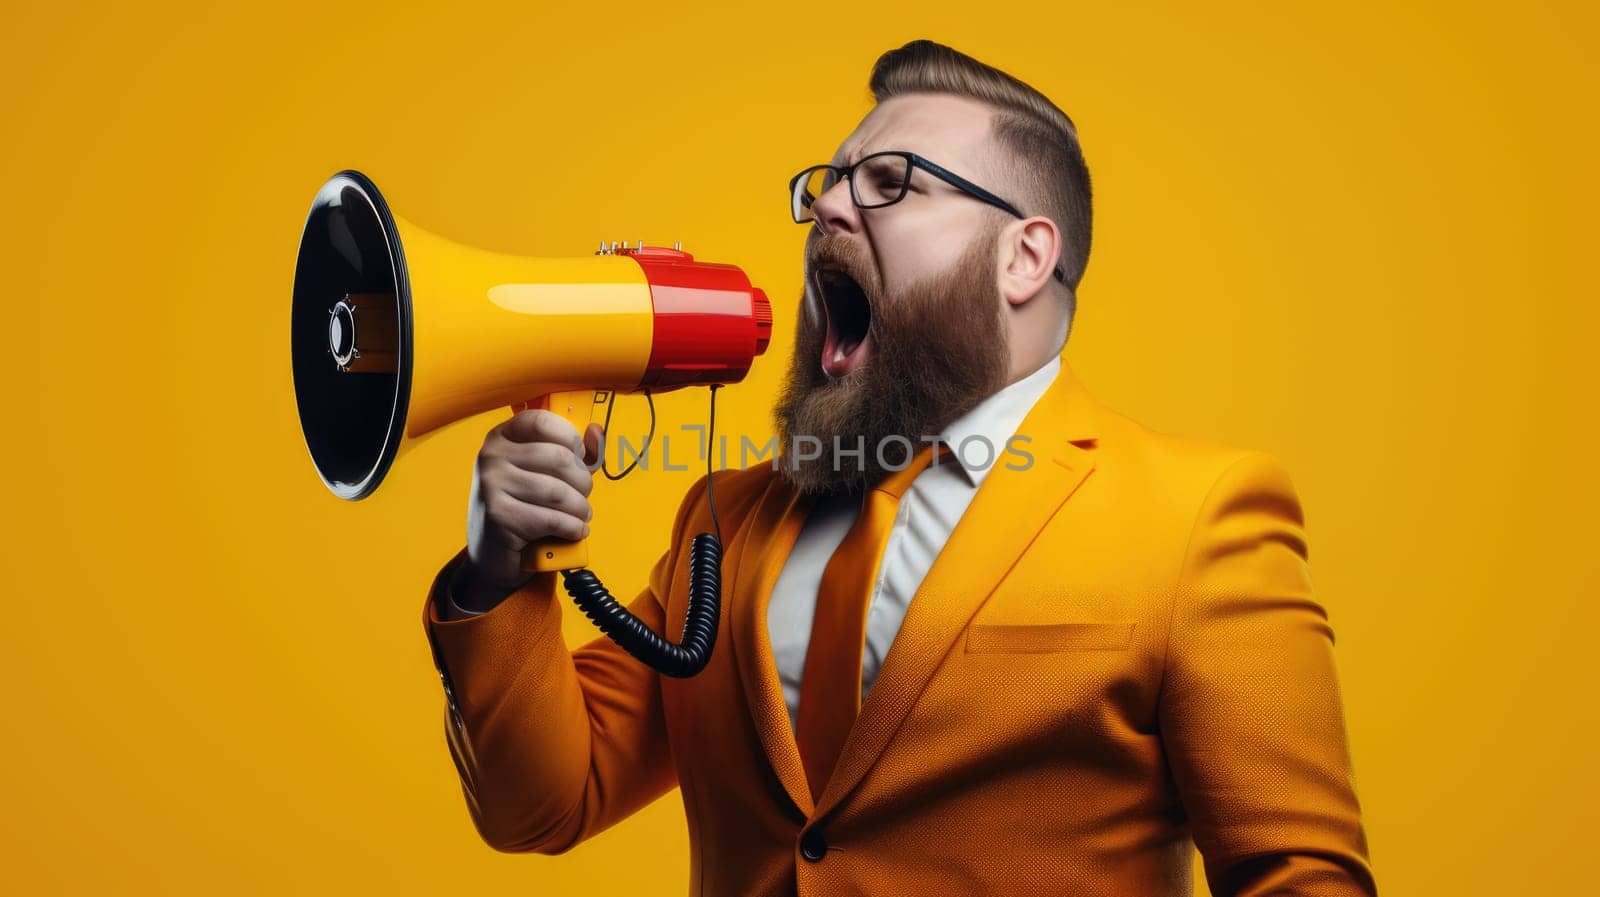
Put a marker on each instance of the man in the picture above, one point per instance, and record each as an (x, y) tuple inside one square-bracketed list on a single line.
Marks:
[(1112, 652)]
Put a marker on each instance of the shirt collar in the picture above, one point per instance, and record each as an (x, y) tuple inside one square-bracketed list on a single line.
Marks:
[(994, 421)]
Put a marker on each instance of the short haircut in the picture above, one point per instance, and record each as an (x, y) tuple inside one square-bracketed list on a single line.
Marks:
[(1039, 143)]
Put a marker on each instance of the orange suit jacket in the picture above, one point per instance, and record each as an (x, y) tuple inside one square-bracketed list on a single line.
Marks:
[(1117, 656)]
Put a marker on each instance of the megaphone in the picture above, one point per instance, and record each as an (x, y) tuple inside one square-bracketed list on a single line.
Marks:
[(397, 332)]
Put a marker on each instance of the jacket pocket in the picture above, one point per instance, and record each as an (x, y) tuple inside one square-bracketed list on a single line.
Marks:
[(1048, 637)]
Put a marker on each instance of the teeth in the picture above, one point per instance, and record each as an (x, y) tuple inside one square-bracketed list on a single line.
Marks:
[(841, 351)]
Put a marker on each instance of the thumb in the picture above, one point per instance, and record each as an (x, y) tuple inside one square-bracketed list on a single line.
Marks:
[(592, 439)]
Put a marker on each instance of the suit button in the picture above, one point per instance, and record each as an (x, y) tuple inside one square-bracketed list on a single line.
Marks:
[(813, 846)]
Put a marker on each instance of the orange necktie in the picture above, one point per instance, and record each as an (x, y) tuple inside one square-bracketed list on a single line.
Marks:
[(830, 682)]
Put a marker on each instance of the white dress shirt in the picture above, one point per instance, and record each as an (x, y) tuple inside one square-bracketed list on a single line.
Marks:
[(927, 513)]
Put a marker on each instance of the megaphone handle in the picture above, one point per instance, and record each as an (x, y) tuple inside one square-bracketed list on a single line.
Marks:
[(551, 555)]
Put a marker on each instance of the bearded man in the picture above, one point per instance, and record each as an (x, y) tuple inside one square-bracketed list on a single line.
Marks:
[(993, 638)]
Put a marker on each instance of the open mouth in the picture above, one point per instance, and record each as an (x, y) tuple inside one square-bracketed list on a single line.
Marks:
[(848, 342)]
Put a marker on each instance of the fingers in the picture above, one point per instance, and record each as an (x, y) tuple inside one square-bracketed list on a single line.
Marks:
[(517, 521), (547, 491), (532, 479), (543, 458), (540, 425)]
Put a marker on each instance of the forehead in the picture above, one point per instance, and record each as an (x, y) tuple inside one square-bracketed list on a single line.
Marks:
[(950, 130)]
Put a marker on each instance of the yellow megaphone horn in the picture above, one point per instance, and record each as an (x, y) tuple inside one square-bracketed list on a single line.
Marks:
[(397, 332)]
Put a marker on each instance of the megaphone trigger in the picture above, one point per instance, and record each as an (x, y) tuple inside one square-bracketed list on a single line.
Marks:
[(575, 406)]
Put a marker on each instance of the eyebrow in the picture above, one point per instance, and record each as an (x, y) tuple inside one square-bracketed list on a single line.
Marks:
[(850, 158)]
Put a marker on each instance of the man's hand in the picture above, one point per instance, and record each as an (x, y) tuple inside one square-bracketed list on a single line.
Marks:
[(528, 485)]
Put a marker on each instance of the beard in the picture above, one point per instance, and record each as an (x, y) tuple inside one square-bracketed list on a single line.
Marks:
[(939, 348)]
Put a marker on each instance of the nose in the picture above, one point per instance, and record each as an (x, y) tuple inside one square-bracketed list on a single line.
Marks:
[(835, 211)]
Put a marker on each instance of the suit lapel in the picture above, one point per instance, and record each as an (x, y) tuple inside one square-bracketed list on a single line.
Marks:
[(773, 530), (1008, 511)]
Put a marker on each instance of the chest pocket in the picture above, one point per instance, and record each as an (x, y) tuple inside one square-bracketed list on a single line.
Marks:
[(1047, 638)]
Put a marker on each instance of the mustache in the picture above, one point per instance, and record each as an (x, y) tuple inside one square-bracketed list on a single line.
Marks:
[(838, 253)]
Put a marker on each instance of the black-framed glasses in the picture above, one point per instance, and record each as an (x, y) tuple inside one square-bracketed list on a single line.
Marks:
[(882, 179)]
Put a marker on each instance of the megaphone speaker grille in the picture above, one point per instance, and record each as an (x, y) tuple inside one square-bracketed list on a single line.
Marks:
[(351, 335)]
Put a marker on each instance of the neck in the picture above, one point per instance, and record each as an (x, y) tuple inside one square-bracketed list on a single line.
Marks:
[(1023, 364)]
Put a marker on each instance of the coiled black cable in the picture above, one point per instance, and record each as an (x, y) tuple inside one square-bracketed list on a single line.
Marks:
[(691, 654)]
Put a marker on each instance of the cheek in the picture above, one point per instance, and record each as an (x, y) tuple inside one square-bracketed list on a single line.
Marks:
[(911, 259), (923, 247)]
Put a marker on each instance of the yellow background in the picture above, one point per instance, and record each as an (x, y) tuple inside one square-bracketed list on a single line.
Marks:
[(1358, 236)]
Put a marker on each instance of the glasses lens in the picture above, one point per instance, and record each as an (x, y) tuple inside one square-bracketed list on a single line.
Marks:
[(811, 185), (880, 180)]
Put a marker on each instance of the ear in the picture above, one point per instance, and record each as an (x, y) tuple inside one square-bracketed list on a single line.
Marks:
[(1028, 253)]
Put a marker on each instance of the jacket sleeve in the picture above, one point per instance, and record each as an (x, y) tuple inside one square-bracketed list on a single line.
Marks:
[(1250, 712), (552, 746)]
